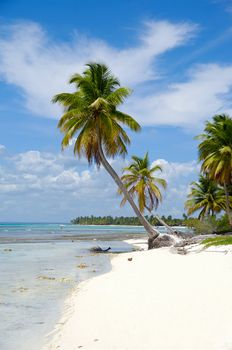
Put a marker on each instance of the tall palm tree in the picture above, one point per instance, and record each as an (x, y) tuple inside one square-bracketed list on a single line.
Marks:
[(206, 196), (92, 118), (215, 152), (141, 183)]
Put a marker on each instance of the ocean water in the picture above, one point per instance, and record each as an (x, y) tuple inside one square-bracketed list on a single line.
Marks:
[(40, 265)]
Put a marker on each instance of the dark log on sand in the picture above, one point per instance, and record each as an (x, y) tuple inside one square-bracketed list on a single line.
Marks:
[(99, 250)]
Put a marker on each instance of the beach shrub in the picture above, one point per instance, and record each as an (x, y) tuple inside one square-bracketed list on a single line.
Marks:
[(206, 226), (223, 224)]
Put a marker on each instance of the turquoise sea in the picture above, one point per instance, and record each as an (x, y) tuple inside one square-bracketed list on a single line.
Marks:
[(40, 264)]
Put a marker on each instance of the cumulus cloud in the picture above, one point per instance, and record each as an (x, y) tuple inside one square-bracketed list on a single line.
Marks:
[(172, 170), (40, 67), (53, 187), (178, 176)]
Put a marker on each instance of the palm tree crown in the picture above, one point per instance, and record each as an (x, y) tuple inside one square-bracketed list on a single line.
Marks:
[(91, 114), (141, 182), (215, 150), (205, 196)]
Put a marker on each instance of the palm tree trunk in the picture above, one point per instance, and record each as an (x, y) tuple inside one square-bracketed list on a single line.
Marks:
[(228, 209), (152, 232), (169, 228)]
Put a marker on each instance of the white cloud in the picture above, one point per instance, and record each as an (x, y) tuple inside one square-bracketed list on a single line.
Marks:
[(2, 149), (40, 67), (49, 187), (178, 176), (206, 91), (173, 170)]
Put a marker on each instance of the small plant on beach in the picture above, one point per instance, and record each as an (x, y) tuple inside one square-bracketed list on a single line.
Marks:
[(217, 241), (202, 227), (215, 152), (92, 119), (141, 182)]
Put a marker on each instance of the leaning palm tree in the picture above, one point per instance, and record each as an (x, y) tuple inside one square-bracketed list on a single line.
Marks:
[(141, 182), (91, 116), (215, 152), (205, 196)]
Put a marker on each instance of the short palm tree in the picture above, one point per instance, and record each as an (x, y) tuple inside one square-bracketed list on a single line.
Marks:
[(141, 182), (91, 116), (205, 196), (215, 152)]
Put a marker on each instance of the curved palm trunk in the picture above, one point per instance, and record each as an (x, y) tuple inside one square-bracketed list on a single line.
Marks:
[(228, 210), (152, 233), (169, 228)]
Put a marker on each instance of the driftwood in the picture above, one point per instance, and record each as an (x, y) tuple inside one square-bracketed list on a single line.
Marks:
[(98, 249)]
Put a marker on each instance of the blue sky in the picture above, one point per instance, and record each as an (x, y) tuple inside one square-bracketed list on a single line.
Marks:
[(175, 55)]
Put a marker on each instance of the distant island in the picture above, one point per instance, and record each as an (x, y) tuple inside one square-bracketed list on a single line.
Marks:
[(125, 220)]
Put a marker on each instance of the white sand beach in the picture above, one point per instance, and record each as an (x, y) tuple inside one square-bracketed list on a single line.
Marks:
[(159, 300)]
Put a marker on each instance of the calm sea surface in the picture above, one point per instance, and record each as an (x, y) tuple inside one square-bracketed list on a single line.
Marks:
[(40, 265)]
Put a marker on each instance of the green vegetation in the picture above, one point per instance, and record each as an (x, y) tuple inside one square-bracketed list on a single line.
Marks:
[(206, 196), (209, 224), (140, 181), (91, 118), (216, 241), (213, 192), (215, 152), (124, 220)]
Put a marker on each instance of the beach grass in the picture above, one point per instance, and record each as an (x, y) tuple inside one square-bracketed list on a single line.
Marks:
[(217, 241)]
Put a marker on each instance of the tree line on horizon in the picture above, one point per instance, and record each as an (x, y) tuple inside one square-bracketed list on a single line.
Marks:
[(126, 220)]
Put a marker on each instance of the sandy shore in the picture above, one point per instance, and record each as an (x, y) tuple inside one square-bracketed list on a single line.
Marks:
[(159, 300)]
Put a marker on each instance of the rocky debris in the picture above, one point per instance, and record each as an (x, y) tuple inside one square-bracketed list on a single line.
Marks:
[(82, 266), (46, 278), (183, 235), (196, 239), (181, 251), (99, 250), (161, 241)]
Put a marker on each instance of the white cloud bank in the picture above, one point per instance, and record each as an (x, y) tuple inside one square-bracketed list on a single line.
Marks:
[(41, 67), (37, 186)]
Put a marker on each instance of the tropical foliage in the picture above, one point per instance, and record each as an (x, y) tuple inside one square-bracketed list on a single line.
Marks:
[(215, 152), (91, 118), (91, 114), (205, 196), (141, 182)]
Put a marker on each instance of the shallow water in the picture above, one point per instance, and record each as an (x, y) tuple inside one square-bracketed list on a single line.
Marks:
[(38, 269)]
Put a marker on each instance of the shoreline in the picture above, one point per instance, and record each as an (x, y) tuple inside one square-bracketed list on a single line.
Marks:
[(158, 300)]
